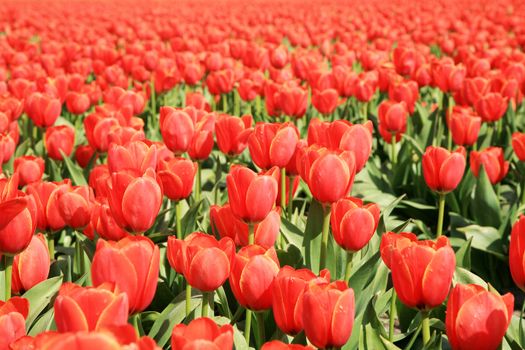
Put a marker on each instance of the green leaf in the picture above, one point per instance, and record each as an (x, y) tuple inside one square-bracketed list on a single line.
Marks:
[(40, 297), (173, 314), (76, 173), (464, 276), (484, 238), (485, 206), (463, 254), (312, 235), (43, 323), (385, 213), (190, 218), (291, 256)]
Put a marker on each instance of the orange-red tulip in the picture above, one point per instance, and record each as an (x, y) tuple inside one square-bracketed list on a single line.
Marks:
[(273, 144), (278, 345), (12, 320), (442, 169), (202, 333), (517, 252), (493, 161), (232, 133), (59, 138), (135, 155), (518, 144), (30, 169), (31, 266), (177, 176)]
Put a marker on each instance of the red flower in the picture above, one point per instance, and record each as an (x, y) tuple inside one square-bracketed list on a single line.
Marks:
[(77, 103), (202, 333), (59, 138), (177, 176), (518, 144), (135, 156), (392, 118), (443, 170), (325, 101), (177, 129), (477, 318), (273, 144), (491, 107), (232, 133), (12, 320), (493, 161), (30, 169), (43, 109), (517, 251), (464, 127), (31, 266)]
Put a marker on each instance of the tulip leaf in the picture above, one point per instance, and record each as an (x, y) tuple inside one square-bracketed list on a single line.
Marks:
[(238, 338), (463, 254), (292, 234), (464, 276), (189, 220), (291, 256), (40, 297), (76, 173), (173, 314), (485, 206), (312, 235), (43, 323), (385, 213), (484, 238)]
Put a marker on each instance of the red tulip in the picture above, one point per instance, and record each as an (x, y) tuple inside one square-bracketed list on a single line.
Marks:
[(202, 333), (59, 138), (517, 251), (77, 103), (278, 345), (273, 144), (103, 223), (30, 169), (329, 175), (88, 308), (293, 101), (422, 271), (194, 255), (404, 91), (202, 142), (464, 128), (518, 144), (253, 271), (491, 107), (477, 318), (18, 219), (325, 101), (43, 109), (448, 77), (287, 297), (12, 320), (246, 187), (45, 194), (493, 161), (232, 133), (330, 316), (177, 129), (75, 206), (134, 200), (132, 264), (392, 118), (8, 143), (442, 169), (226, 224), (353, 224), (177, 176), (136, 155), (31, 266), (98, 180), (391, 241), (197, 100), (279, 57)]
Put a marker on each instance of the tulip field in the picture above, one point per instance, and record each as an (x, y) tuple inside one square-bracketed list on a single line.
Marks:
[(270, 174)]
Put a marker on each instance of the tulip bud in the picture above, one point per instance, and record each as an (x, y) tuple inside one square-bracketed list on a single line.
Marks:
[(443, 170), (278, 345), (77, 103), (464, 128), (392, 118), (177, 129)]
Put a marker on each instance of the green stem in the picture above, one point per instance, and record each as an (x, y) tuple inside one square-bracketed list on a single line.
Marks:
[(349, 261), (178, 218), (188, 299), (283, 189), (153, 101), (236, 103), (198, 184), (260, 325), (290, 198), (258, 106), (224, 103), (135, 323), (251, 233), (523, 191), (207, 303), (413, 339), (8, 265), (521, 320), (425, 324), (392, 315), (325, 236), (393, 150), (441, 214), (237, 315), (51, 246), (248, 326)]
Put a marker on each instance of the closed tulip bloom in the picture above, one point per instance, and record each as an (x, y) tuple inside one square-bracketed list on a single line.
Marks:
[(59, 138), (442, 169), (464, 128), (273, 144), (233, 133), (518, 144), (477, 318), (202, 333), (177, 176), (177, 129), (12, 320), (7, 146), (30, 169), (89, 308), (132, 264), (278, 345), (75, 206), (330, 316), (287, 297), (325, 101), (135, 200), (136, 155), (194, 255), (77, 103), (358, 139), (493, 161), (391, 241), (202, 142), (353, 223), (392, 117), (422, 272), (329, 175), (491, 107), (226, 224), (253, 272), (103, 223), (293, 101), (47, 214), (31, 266), (18, 219), (43, 109), (245, 188), (517, 252), (327, 134)]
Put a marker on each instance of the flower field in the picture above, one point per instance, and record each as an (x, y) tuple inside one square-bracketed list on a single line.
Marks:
[(218, 175)]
